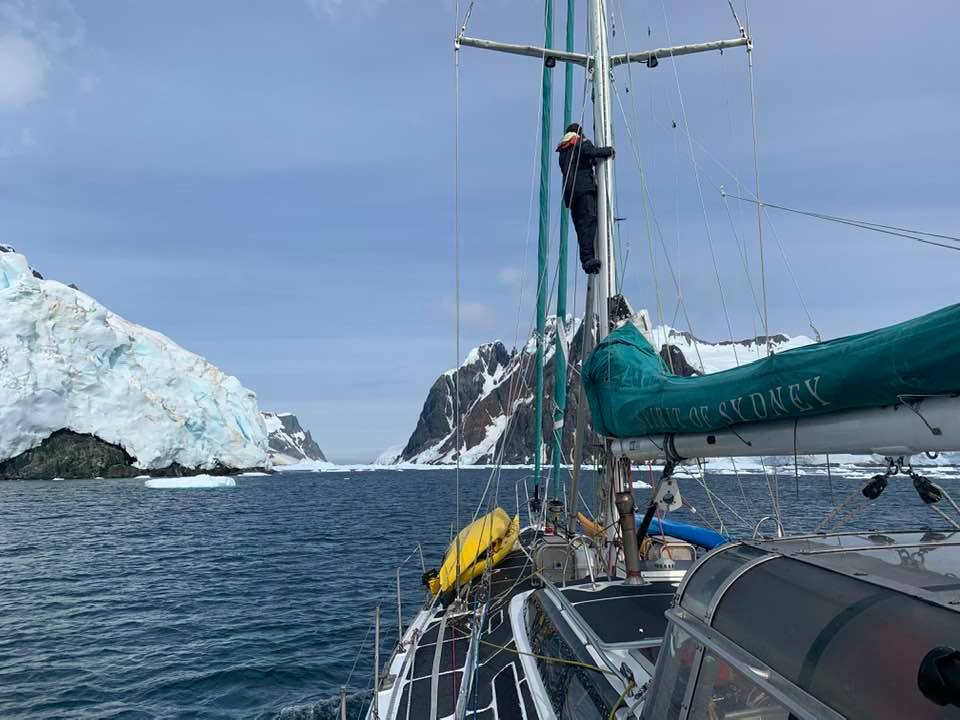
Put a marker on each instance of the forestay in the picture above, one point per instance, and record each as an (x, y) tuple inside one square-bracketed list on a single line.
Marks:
[(631, 392)]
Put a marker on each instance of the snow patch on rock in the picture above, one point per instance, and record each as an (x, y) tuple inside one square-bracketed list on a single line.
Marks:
[(495, 385), (289, 442), (389, 456)]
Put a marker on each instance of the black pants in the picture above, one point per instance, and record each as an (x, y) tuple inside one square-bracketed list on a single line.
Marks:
[(583, 211)]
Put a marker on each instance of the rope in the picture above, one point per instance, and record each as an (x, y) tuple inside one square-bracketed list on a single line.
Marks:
[(837, 510), (946, 517), (550, 659), (616, 706), (702, 480), (947, 496), (711, 494)]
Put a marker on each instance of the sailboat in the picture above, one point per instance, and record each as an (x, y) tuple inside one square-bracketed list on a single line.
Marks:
[(620, 616)]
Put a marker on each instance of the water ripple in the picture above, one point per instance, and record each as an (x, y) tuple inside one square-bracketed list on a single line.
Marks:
[(118, 601)]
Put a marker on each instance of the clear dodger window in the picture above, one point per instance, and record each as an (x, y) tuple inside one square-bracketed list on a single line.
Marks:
[(674, 665)]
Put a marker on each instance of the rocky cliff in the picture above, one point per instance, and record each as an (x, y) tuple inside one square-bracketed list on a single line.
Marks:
[(496, 395), (289, 442), (496, 401)]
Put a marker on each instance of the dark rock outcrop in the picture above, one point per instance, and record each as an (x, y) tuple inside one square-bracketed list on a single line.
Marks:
[(676, 361), (289, 441), (493, 381), (69, 455), (747, 342)]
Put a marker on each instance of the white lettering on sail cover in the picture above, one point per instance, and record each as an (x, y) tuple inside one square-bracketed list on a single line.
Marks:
[(762, 405)]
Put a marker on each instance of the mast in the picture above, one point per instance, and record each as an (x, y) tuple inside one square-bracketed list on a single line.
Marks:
[(603, 127), (560, 358), (601, 287), (543, 244), (619, 498)]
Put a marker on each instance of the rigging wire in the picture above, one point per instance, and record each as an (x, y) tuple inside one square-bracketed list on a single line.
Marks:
[(703, 205), (518, 382), (651, 213), (719, 188), (736, 19), (756, 177), (659, 232), (647, 210), (793, 276), (456, 262), (741, 248), (907, 233), (516, 386)]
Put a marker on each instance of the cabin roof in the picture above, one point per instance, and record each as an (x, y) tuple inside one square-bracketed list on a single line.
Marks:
[(833, 612), (924, 564)]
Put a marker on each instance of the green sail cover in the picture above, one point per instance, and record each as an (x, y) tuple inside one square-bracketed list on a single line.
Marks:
[(631, 392)]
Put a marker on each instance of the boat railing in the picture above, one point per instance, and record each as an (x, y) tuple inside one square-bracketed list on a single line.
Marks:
[(381, 678), (765, 518)]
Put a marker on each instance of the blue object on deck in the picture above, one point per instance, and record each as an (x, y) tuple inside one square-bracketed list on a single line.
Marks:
[(708, 539)]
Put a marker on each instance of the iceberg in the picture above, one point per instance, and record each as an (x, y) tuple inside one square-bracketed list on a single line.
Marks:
[(197, 481), (67, 362)]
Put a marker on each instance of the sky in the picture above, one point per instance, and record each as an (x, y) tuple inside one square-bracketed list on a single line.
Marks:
[(271, 183)]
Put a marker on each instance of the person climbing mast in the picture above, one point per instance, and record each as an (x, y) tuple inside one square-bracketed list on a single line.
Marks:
[(578, 157)]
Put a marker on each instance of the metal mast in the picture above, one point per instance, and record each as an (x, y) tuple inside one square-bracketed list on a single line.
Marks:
[(619, 500), (601, 287), (543, 244), (560, 357), (603, 127)]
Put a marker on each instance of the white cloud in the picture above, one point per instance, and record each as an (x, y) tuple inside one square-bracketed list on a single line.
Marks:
[(53, 25), (18, 143), (335, 8), (510, 276), (23, 71), (37, 41), (87, 84), (474, 316)]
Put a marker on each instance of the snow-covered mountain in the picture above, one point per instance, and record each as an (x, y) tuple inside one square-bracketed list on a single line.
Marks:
[(494, 380), (495, 384), (289, 442), (390, 456), (70, 368)]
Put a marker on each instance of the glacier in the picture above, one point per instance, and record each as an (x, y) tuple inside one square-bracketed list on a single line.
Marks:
[(67, 362)]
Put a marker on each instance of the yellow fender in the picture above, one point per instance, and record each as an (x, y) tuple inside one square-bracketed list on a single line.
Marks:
[(589, 526), (482, 543)]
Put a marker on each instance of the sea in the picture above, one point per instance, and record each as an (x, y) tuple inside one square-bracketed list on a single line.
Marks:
[(258, 601)]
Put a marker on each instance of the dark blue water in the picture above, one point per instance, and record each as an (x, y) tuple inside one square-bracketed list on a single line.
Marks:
[(118, 601)]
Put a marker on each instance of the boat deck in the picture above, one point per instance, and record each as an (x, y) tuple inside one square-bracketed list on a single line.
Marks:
[(500, 688), (604, 611), (430, 684)]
